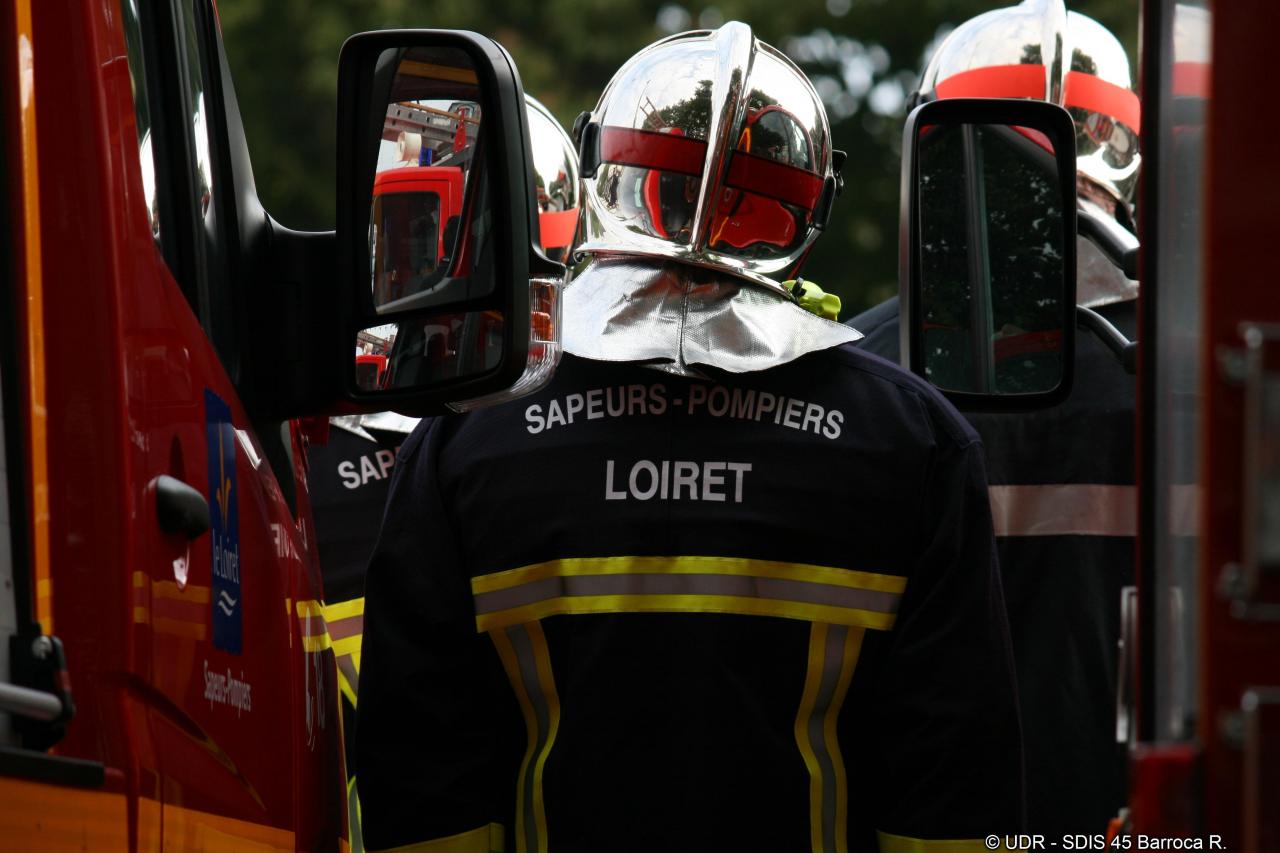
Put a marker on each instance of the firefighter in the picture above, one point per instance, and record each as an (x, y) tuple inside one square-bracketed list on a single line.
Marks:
[(726, 583), (1062, 479)]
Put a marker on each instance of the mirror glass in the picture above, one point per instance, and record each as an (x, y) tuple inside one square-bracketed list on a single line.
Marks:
[(429, 349), (992, 259), (429, 222)]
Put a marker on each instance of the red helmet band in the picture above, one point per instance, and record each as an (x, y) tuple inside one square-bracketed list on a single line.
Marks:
[(1083, 91), (775, 180), (1086, 92), (557, 228), (995, 81), (672, 153), (648, 149)]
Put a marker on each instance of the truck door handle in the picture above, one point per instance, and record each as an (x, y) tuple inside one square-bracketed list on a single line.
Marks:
[(181, 508)]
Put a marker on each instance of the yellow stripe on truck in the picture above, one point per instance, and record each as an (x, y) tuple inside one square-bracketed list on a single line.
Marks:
[(55, 818), (22, 80), (188, 829)]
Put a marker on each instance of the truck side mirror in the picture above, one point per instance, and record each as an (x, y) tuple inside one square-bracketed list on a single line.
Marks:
[(988, 267), (437, 225)]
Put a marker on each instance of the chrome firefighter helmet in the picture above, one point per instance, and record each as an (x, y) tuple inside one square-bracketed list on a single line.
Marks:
[(555, 166), (1039, 50), (710, 148)]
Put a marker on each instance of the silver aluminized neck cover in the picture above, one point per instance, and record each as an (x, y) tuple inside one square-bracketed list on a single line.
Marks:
[(681, 319)]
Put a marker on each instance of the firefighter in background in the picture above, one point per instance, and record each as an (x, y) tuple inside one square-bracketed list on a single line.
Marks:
[(348, 475), (727, 583), (1062, 479)]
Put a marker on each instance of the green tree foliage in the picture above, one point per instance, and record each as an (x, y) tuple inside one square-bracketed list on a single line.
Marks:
[(863, 55)]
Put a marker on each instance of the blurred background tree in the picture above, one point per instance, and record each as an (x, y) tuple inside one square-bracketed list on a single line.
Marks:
[(864, 57)]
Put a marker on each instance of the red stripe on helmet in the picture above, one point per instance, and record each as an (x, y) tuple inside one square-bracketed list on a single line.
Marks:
[(1086, 92), (995, 81), (557, 227), (1191, 79), (650, 150), (775, 180), (1036, 136)]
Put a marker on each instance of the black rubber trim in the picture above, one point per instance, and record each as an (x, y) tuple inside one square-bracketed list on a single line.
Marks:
[(53, 769), (1157, 49), (12, 382)]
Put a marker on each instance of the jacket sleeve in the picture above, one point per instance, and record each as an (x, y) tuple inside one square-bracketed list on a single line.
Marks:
[(431, 764), (951, 757)]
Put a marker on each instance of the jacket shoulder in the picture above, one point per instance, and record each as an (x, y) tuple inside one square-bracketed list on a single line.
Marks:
[(872, 374)]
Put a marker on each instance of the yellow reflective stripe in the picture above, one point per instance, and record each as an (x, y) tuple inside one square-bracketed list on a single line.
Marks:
[(345, 677), (316, 643), (587, 604), (902, 844), (310, 608), (542, 660), (508, 656), (344, 609), (534, 685), (354, 827), (578, 566), (826, 684), (812, 678), (852, 649), (318, 639), (348, 646), (484, 839)]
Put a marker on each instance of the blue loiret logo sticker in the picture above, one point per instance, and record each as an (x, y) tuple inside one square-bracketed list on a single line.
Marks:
[(225, 530)]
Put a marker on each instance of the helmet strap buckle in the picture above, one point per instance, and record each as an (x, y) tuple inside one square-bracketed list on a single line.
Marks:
[(588, 146)]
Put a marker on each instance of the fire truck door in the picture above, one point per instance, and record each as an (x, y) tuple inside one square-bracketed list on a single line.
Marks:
[(221, 603), (1210, 508), (1239, 689)]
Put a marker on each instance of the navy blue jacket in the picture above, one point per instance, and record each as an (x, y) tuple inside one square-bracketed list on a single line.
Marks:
[(638, 612), (1062, 483)]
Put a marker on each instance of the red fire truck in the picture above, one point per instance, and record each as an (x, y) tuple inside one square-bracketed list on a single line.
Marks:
[(429, 198), (166, 675)]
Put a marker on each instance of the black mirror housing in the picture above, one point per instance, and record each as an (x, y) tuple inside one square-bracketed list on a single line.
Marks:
[(995, 294), (510, 223)]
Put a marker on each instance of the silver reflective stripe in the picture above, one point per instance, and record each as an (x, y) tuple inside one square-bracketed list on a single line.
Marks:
[(775, 589), (1184, 509), (1065, 510), (529, 778)]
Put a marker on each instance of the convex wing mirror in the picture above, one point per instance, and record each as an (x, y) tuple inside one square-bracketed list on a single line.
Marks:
[(446, 298), (988, 264)]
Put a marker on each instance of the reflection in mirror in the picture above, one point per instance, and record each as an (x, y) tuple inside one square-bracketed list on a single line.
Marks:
[(428, 350), (992, 249), (371, 370), (428, 223)]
